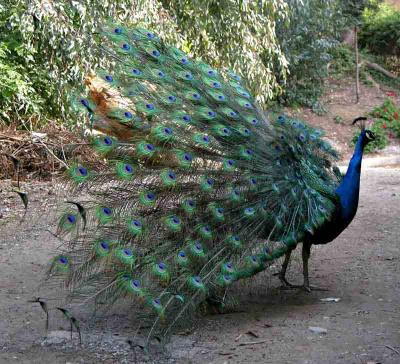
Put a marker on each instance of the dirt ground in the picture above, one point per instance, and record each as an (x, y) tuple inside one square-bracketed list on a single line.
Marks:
[(361, 268), (339, 101)]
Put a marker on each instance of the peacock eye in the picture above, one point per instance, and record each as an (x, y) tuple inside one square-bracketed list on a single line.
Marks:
[(63, 260)]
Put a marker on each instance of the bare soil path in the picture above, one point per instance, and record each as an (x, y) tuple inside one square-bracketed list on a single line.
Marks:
[(362, 268)]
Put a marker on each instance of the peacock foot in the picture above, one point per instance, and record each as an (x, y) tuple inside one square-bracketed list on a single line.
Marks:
[(285, 283), (304, 287), (314, 288)]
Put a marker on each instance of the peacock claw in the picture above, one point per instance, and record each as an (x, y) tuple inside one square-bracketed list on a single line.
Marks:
[(285, 283)]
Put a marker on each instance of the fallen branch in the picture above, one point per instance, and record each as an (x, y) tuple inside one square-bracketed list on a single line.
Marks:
[(58, 159), (378, 68)]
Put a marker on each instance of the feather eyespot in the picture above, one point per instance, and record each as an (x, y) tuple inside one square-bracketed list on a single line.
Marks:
[(150, 147), (156, 302), (107, 211), (151, 196), (63, 260), (107, 141), (82, 171), (127, 252), (135, 283), (302, 137), (128, 168)]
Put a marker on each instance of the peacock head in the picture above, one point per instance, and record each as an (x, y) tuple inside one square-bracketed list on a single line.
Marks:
[(369, 136), (366, 134)]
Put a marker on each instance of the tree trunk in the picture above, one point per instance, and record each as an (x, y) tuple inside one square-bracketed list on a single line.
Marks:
[(357, 66)]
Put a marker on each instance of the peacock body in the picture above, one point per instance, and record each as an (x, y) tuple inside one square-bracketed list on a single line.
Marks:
[(201, 187)]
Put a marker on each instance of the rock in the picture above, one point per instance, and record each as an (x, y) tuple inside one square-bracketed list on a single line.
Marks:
[(318, 330), (330, 299)]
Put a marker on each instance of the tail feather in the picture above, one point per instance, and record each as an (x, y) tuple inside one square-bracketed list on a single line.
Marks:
[(201, 189)]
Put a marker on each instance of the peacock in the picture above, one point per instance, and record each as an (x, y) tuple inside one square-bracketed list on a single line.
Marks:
[(195, 187)]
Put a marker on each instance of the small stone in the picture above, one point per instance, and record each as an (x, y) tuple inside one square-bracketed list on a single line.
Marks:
[(318, 330)]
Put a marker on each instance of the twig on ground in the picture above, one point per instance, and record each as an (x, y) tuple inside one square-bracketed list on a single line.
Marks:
[(392, 348), (252, 342)]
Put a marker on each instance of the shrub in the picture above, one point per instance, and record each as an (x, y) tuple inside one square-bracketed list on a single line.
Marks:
[(380, 30), (386, 122)]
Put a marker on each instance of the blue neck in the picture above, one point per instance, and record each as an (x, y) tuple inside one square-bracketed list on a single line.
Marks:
[(348, 190)]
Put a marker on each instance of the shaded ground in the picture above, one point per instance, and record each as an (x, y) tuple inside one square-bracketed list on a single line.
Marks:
[(361, 268), (340, 102)]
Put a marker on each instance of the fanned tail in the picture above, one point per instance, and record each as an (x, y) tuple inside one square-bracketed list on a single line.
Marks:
[(201, 189)]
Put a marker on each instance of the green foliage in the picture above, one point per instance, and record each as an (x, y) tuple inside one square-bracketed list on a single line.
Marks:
[(338, 119), (307, 39), (49, 46), (380, 142), (388, 117), (380, 30), (386, 123), (25, 89), (343, 62), (353, 9)]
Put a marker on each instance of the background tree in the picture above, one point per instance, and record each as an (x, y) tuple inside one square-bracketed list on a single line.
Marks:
[(51, 44)]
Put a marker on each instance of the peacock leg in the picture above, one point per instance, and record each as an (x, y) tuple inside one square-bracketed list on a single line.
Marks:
[(305, 253), (282, 273)]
